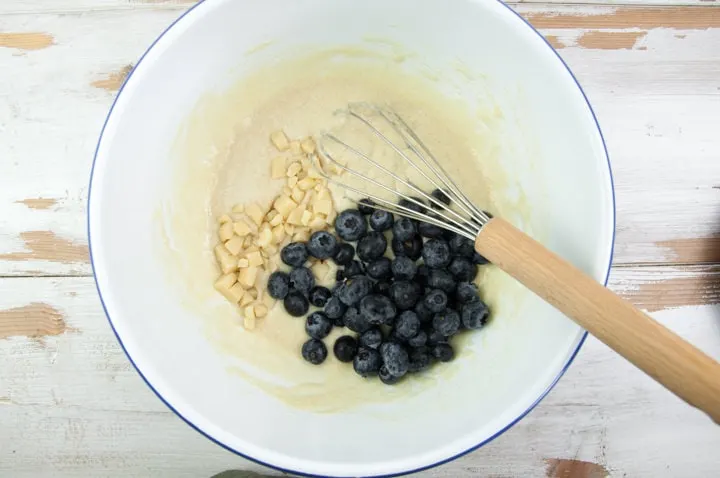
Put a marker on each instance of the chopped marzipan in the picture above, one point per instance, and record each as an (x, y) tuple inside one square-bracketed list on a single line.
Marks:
[(250, 312), (255, 212), (276, 221), (322, 206), (292, 181), (226, 261), (241, 228), (284, 205), (254, 259), (317, 222), (243, 263), (301, 236), (295, 217), (247, 276), (224, 218), (294, 169), (308, 145), (261, 310), (238, 208), (235, 294), (277, 168), (266, 236), (234, 245), (280, 141), (253, 292), (249, 323), (295, 147), (226, 281), (289, 229), (278, 233), (305, 184), (321, 270), (298, 195), (246, 299), (226, 231), (306, 216)]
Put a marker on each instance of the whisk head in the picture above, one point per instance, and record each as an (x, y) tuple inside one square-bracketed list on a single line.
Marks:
[(393, 191)]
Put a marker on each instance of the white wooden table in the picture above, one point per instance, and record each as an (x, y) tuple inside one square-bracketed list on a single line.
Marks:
[(71, 403)]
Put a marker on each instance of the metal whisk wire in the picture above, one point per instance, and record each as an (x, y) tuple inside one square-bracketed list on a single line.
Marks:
[(466, 222)]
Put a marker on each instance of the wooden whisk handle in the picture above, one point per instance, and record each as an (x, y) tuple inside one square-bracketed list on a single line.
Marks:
[(673, 362)]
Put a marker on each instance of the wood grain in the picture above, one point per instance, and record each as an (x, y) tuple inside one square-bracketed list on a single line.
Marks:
[(47, 246), (113, 81), (26, 41), (32, 320)]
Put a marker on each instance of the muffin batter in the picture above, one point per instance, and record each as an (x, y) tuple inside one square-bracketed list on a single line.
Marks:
[(224, 159)]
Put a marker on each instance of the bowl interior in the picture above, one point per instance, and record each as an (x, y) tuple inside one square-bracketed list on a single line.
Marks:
[(551, 148)]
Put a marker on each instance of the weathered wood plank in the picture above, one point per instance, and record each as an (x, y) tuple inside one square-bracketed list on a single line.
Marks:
[(71, 404)]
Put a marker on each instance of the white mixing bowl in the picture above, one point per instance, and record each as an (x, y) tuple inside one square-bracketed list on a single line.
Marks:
[(559, 162)]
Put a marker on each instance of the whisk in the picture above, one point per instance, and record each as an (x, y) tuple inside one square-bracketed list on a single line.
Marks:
[(673, 362)]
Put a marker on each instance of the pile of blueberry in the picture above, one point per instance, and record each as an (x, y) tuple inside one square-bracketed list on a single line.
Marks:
[(403, 311)]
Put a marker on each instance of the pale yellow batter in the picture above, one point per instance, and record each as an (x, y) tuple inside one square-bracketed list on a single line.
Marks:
[(223, 156)]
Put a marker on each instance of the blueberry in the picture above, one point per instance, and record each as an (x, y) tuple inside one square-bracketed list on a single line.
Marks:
[(461, 246), (463, 269), (319, 296), (381, 220), (436, 300), (430, 230), (421, 276), (441, 196), (443, 352), (419, 360), (403, 268), (447, 322), (395, 358), (355, 268), (412, 248), (436, 254), (404, 229), (317, 325), (314, 351), (378, 309), (366, 206), (340, 275), (475, 314), (302, 280), (367, 362), (466, 292), (407, 325), (356, 321), (278, 285), (416, 204), (379, 268), (344, 254), (479, 260), (296, 304), (294, 254), (419, 340), (355, 289), (371, 246), (405, 294), (382, 288), (386, 377), (443, 280), (423, 313), (334, 308), (371, 338), (350, 225), (322, 245), (345, 348), (435, 337)]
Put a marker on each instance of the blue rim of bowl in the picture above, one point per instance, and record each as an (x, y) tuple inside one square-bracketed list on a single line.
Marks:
[(416, 470)]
